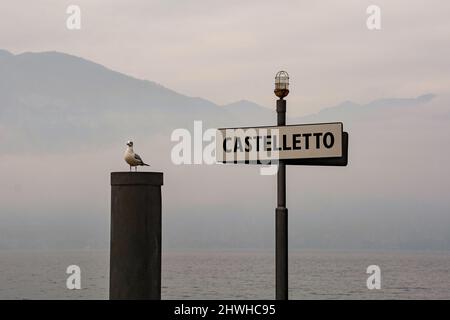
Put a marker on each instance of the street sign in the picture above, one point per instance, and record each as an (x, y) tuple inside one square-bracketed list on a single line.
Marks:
[(305, 144), (318, 144)]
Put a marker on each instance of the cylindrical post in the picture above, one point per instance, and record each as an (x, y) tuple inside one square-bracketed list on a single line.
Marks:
[(135, 257), (281, 219)]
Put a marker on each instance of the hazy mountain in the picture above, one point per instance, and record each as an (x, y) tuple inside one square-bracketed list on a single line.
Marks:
[(58, 97), (351, 111), (49, 100)]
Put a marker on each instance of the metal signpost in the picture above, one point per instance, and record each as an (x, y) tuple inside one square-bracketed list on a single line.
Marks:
[(322, 144)]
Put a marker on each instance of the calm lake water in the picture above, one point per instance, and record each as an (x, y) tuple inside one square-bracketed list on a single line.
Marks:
[(235, 275)]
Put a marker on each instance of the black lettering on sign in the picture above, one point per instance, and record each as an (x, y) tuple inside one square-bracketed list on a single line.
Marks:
[(225, 145), (328, 140), (306, 136), (257, 142), (317, 135), (296, 141), (248, 146)]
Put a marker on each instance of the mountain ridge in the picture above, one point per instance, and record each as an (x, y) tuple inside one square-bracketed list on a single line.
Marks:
[(69, 99)]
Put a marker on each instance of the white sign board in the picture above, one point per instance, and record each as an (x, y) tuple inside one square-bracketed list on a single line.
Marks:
[(269, 144)]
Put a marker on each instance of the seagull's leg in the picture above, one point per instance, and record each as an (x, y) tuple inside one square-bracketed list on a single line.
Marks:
[(130, 167)]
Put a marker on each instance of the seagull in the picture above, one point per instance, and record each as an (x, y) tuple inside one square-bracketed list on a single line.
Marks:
[(133, 159)]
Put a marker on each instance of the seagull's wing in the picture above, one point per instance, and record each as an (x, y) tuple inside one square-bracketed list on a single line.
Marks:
[(138, 158)]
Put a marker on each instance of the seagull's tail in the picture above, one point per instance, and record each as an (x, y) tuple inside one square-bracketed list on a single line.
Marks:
[(144, 164)]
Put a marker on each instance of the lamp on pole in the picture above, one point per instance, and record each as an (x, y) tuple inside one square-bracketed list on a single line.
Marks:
[(281, 212)]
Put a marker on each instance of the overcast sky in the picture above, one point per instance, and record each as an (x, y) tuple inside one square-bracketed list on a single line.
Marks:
[(230, 50)]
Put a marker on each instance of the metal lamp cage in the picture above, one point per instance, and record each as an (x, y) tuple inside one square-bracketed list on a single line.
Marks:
[(281, 84), (282, 80)]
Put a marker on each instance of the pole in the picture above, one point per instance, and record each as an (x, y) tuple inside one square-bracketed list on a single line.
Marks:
[(281, 219), (135, 258)]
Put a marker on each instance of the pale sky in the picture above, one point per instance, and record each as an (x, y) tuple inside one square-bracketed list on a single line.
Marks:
[(230, 50)]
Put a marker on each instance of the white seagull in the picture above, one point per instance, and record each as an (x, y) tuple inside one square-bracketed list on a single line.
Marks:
[(133, 159)]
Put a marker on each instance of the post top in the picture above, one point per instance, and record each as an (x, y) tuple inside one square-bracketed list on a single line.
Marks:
[(136, 178)]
